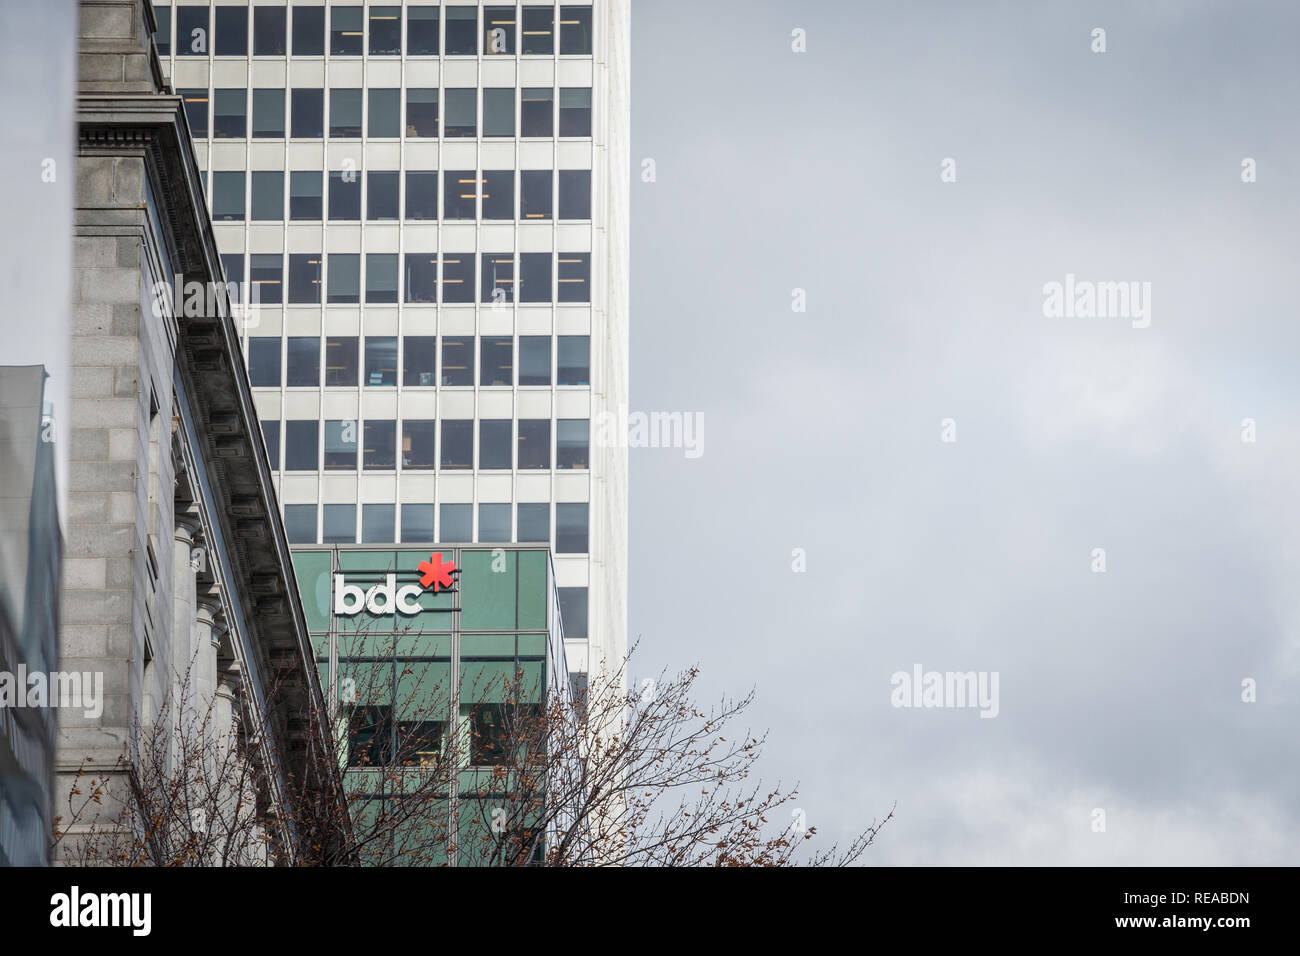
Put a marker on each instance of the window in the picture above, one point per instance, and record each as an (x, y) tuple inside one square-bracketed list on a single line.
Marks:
[(345, 31), (537, 111), (300, 448), (422, 40), (498, 279), (308, 31), (381, 196), (494, 445), (457, 361), (268, 195), (421, 278), (232, 31), (370, 736), (377, 524), (264, 361), (385, 118), (421, 112), (574, 360), (499, 112), (307, 112), (341, 361), (228, 197), (535, 194), (457, 444), (496, 361), (534, 277), (345, 195), (344, 278), (490, 729), (345, 113), (268, 110), (421, 195), (573, 611), (305, 194), (381, 360), (304, 278), (534, 443), (302, 365), (266, 275), (385, 31), (417, 444), (300, 524), (419, 360), (575, 112), (417, 522), (499, 31), (381, 285), (575, 194), (196, 112), (498, 194), (572, 443), (162, 37), (341, 445), (192, 31), (458, 279), (229, 112), (232, 263), (534, 360), (462, 31), (339, 524), (380, 446), (533, 520), (571, 528), (271, 436), (494, 523), (539, 31), (461, 118), (454, 523), (268, 31), (574, 276), (460, 189), (575, 31)]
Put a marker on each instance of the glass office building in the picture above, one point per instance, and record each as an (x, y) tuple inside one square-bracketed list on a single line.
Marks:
[(418, 674), (425, 206), (31, 547)]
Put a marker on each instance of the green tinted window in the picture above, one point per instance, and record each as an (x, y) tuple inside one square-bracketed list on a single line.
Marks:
[(532, 589), (312, 569), (487, 645), (488, 590), (487, 682), (423, 690)]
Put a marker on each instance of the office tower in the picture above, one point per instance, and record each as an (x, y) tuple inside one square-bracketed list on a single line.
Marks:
[(30, 550), (426, 207)]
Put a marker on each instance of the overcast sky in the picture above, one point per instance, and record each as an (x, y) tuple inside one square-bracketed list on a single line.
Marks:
[(1119, 690)]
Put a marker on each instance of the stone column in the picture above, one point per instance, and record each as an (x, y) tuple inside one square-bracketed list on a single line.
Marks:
[(210, 625), (177, 655)]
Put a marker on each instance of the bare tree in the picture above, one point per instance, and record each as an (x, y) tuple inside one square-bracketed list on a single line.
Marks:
[(500, 772), (641, 777)]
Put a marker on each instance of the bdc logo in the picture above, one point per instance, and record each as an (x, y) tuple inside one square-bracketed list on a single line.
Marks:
[(388, 598)]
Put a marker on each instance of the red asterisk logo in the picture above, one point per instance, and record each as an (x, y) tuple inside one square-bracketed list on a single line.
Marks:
[(438, 573)]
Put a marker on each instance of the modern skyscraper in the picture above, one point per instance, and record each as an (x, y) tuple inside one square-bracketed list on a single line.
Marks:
[(427, 203)]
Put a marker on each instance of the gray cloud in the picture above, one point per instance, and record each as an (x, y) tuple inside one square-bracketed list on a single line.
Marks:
[(820, 171)]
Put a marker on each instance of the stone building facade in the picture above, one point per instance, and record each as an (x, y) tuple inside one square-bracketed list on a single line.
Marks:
[(178, 584)]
